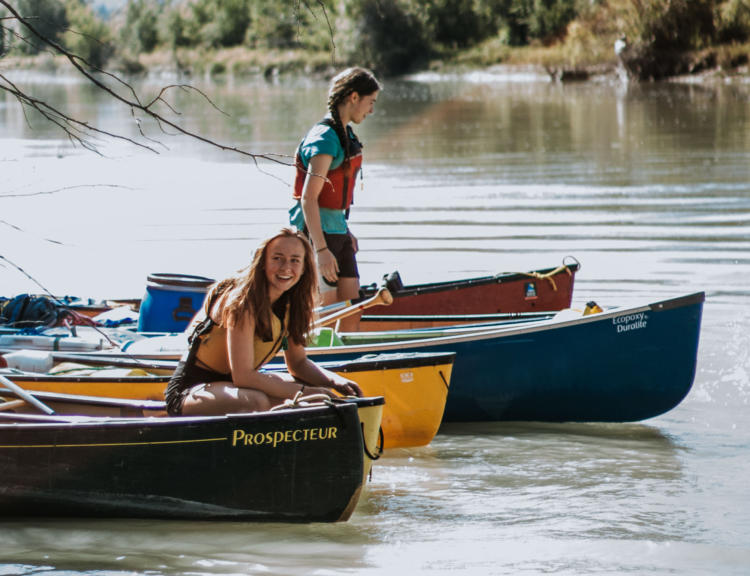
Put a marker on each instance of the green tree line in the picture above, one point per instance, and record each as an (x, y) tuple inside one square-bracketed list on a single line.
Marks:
[(390, 36)]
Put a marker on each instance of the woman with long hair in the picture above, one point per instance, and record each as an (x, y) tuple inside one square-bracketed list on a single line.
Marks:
[(245, 321), (328, 161)]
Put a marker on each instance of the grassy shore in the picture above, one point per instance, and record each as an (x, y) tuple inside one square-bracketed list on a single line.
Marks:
[(563, 62)]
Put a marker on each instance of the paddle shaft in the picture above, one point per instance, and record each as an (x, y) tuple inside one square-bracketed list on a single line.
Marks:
[(123, 361), (382, 297), (21, 393)]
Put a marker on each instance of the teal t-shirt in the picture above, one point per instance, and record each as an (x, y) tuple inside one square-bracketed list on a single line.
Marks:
[(321, 139)]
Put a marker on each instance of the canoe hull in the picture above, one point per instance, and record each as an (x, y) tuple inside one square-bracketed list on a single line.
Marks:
[(293, 466), (628, 364), (414, 385), (415, 398), (542, 290)]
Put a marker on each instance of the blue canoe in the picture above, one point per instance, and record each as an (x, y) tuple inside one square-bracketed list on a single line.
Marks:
[(622, 365)]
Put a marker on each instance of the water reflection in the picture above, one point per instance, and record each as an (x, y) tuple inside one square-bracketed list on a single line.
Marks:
[(509, 474), (566, 134), (168, 547), (647, 188), (545, 132)]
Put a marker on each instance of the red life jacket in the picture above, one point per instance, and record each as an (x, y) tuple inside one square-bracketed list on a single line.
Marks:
[(338, 189)]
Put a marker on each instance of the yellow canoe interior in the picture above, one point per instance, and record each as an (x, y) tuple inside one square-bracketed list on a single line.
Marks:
[(415, 396)]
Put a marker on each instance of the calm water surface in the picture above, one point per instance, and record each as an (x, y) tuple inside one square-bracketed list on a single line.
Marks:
[(648, 187)]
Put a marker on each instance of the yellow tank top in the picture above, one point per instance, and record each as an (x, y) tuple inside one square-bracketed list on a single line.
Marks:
[(214, 354)]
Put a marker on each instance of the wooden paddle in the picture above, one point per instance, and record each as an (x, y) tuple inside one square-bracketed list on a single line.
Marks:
[(21, 393), (382, 297), (11, 405)]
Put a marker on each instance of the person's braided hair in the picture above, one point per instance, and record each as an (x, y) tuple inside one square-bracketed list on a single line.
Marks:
[(355, 79)]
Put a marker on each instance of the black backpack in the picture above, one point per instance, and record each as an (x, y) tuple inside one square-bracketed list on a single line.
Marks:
[(27, 310)]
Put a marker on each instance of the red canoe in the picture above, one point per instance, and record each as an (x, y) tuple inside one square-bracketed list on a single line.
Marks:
[(508, 294)]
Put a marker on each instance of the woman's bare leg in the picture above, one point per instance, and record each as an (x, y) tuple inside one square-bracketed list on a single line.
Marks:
[(348, 289), (217, 398)]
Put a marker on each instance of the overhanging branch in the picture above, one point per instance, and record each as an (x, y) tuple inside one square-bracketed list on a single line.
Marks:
[(84, 133)]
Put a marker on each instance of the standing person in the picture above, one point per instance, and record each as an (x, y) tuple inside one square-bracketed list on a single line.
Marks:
[(328, 160), (244, 322)]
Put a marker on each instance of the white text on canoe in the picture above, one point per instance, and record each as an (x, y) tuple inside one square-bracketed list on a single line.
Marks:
[(630, 322)]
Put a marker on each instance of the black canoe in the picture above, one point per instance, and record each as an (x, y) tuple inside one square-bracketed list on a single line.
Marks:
[(300, 464)]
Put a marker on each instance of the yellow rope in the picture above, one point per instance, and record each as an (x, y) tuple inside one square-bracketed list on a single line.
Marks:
[(548, 275)]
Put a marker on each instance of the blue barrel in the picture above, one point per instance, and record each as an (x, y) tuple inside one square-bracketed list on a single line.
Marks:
[(171, 301)]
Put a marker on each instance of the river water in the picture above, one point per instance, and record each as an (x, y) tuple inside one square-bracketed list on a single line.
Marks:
[(647, 186)]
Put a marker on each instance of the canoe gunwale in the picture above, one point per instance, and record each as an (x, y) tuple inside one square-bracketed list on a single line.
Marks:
[(390, 360), (679, 301), (498, 331), (366, 363), (299, 410), (499, 278)]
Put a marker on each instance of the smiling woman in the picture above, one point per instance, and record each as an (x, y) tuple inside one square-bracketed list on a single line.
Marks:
[(246, 319)]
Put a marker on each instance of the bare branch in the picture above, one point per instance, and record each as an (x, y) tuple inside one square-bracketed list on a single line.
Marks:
[(79, 132), (63, 189), (19, 229), (328, 23), (74, 128), (186, 88)]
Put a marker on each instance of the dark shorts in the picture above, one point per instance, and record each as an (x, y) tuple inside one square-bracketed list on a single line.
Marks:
[(342, 247), (182, 382)]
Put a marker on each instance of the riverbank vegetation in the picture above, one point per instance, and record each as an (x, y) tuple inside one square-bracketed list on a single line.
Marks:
[(658, 38)]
